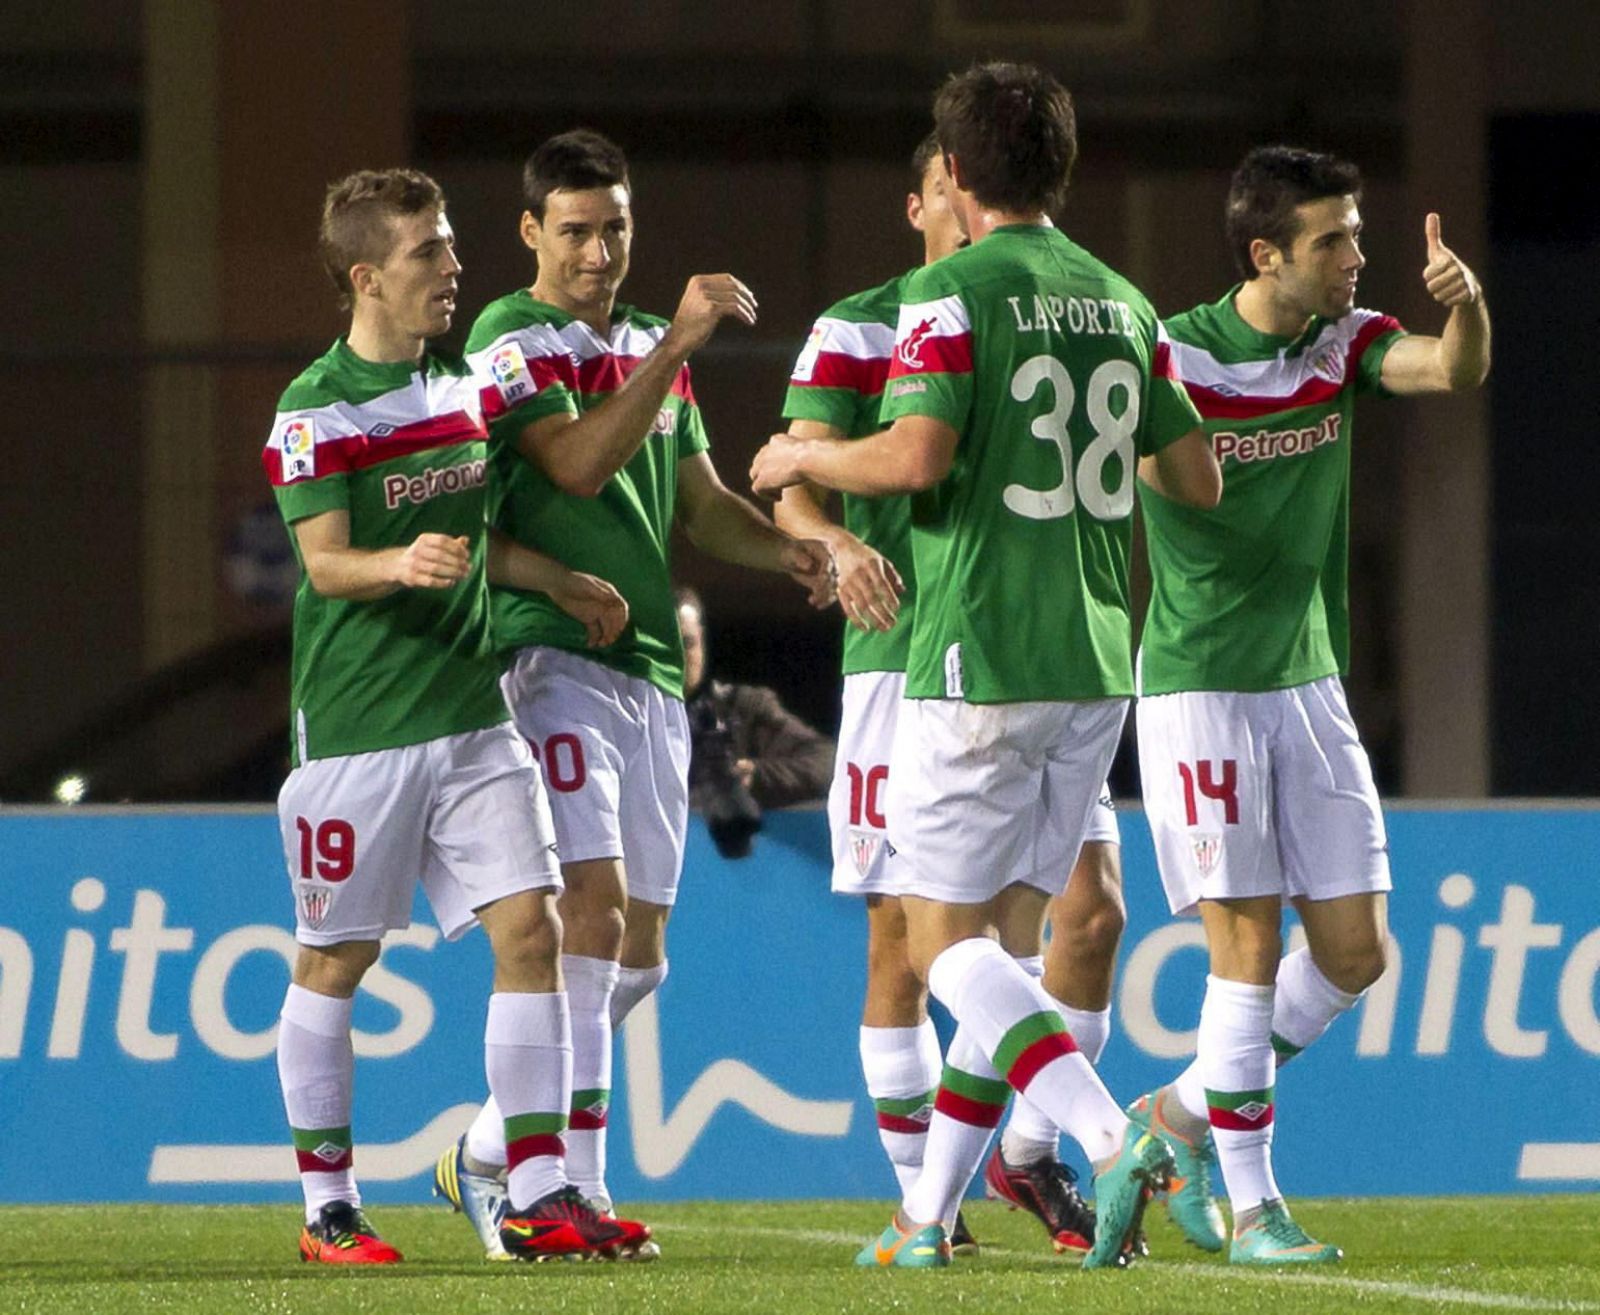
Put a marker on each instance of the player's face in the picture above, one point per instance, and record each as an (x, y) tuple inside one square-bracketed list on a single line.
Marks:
[(415, 286), (694, 647), (1318, 274), (931, 213), (582, 245)]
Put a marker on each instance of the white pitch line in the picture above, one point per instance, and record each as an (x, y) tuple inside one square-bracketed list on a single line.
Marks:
[(1370, 1286)]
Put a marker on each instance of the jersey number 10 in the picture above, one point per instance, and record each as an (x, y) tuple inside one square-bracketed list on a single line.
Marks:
[(1113, 437)]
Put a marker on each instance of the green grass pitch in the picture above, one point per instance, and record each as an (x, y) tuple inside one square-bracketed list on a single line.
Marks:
[(1458, 1255)]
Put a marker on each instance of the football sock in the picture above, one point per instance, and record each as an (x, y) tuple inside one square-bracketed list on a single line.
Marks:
[(901, 1066), (1305, 1005), (1014, 1023), (969, 1105), (633, 984), (1029, 1136), (590, 984), (486, 1141), (528, 1055), (316, 1069), (1235, 1046)]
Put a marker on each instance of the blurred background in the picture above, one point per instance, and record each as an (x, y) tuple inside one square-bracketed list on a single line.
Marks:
[(161, 172)]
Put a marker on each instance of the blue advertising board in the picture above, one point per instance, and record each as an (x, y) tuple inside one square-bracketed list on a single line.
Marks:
[(144, 954)]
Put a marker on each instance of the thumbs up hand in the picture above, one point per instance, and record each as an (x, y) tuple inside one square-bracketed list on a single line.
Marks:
[(1449, 281)]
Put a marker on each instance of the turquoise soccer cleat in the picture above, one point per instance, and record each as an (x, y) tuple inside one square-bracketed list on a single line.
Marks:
[(1273, 1238), (1191, 1198), (925, 1247), (1121, 1193)]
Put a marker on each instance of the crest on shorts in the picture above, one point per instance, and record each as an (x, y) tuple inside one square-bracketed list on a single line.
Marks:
[(314, 902), (864, 850), (1207, 853)]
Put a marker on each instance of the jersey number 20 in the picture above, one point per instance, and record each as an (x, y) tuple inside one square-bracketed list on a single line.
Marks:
[(1113, 437)]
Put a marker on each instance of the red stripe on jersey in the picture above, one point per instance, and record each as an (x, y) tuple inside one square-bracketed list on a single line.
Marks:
[(864, 375), (1213, 405), (942, 355), (1163, 367), (606, 374), (359, 451)]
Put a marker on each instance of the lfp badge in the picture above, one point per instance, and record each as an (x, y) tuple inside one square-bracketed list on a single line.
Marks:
[(298, 442)]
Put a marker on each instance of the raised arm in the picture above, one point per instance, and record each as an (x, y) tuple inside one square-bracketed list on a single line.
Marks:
[(720, 522), (360, 575), (580, 453), (1458, 359), (914, 453), (869, 586)]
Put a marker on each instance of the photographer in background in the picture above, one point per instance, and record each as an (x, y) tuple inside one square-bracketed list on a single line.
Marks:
[(749, 751)]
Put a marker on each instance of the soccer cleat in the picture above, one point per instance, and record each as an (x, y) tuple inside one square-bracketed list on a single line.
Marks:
[(640, 1252), (342, 1235), (1121, 1192), (562, 1223), (962, 1243), (924, 1247), (1046, 1189), (474, 1195), (1191, 1199), (1273, 1238)]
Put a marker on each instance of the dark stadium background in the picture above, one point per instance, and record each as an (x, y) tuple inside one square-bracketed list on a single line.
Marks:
[(161, 166)]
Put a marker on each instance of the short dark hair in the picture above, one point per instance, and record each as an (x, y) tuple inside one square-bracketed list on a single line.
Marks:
[(572, 162), (355, 219), (1013, 128), (1267, 186), (927, 151)]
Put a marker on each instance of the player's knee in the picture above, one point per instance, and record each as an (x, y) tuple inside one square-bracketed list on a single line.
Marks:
[(334, 969), (1355, 967)]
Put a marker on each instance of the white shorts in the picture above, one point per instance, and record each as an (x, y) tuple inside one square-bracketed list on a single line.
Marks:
[(1260, 794), (615, 754), (864, 863), (465, 814), (985, 794)]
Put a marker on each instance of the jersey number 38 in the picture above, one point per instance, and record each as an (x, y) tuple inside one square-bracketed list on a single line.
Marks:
[(1113, 437)]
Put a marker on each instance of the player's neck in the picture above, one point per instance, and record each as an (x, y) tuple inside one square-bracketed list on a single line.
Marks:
[(597, 315), (1260, 307), (378, 339), (981, 220)]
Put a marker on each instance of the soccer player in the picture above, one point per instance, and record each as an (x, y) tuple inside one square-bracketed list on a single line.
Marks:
[(405, 764), (836, 393), (1255, 781), (603, 448), (1028, 382)]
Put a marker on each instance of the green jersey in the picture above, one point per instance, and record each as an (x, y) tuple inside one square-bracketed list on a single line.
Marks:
[(544, 362), (1054, 371), (838, 380), (400, 448), (1255, 594)]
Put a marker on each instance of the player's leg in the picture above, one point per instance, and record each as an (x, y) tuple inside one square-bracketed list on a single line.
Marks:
[(984, 759), (354, 846), (1207, 793), (492, 857), (643, 958)]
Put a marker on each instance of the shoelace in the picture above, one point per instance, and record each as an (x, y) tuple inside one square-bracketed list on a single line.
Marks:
[(1063, 1182), (1281, 1228)]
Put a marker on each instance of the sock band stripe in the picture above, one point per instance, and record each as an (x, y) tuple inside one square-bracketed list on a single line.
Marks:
[(984, 1091), (589, 1109), (1240, 1111), (905, 1106), (523, 1149), (309, 1139), (1024, 1035), (310, 1162), (1283, 1049), (322, 1150), (1035, 1057), (964, 1109), (519, 1126)]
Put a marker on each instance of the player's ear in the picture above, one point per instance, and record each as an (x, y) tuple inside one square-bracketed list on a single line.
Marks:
[(366, 278), (914, 210), (1265, 256), (530, 229)]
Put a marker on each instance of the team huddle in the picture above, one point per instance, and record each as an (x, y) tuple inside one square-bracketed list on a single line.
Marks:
[(488, 675)]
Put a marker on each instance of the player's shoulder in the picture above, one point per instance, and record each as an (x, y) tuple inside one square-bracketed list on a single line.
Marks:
[(535, 324), (875, 305), (635, 318), (326, 382)]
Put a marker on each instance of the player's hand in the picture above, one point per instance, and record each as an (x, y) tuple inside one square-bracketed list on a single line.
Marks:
[(810, 565), (1449, 281), (591, 600), (869, 586), (434, 561), (777, 465), (708, 299)]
